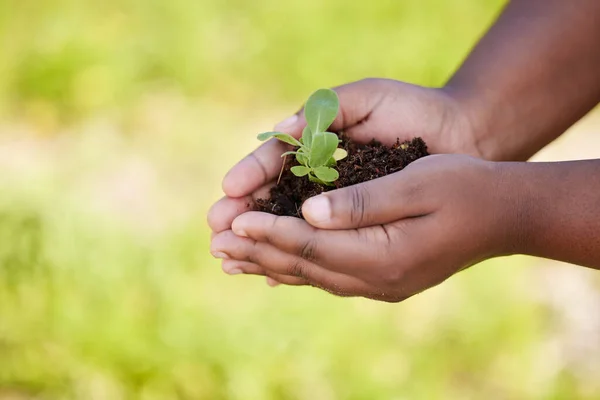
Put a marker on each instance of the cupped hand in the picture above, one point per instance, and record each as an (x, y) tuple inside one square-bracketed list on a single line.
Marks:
[(385, 239), (380, 109)]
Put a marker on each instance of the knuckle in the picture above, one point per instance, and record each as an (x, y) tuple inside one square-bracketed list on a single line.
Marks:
[(380, 240), (253, 253), (261, 165), (308, 251), (386, 238), (359, 202), (392, 240), (298, 269)]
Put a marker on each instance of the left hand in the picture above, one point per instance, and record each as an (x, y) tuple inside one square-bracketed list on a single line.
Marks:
[(386, 239)]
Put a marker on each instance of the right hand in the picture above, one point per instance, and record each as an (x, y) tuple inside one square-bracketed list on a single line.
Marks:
[(380, 109), (389, 238)]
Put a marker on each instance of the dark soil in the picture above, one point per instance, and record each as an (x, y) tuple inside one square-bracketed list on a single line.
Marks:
[(364, 162)]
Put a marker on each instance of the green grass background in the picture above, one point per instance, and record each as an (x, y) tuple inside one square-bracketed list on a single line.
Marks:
[(117, 121)]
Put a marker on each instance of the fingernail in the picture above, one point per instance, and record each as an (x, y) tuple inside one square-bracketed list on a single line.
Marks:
[(286, 123), (272, 282), (240, 232), (317, 209), (233, 271), (218, 254)]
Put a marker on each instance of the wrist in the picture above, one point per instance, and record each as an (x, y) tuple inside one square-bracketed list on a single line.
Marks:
[(475, 123), (554, 210), (515, 204)]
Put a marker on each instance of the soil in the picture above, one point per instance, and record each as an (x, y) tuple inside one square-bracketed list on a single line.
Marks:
[(364, 162)]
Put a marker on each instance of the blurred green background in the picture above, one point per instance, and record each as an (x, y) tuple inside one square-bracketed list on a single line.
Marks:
[(117, 121)]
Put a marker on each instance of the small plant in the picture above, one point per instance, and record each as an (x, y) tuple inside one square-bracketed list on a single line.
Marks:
[(317, 150)]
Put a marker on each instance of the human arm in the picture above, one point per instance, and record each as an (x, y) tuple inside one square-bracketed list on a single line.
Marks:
[(559, 209), (533, 75)]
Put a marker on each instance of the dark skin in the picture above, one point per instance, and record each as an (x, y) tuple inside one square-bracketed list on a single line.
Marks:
[(532, 76)]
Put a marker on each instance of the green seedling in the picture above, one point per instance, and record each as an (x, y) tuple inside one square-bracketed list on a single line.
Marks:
[(317, 150)]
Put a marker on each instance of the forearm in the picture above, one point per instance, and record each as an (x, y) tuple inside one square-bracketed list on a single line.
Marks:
[(533, 75), (556, 209)]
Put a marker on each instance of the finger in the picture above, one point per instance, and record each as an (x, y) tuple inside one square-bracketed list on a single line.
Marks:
[(223, 212), (236, 267), (274, 279), (373, 107), (292, 125), (344, 251), (357, 101), (376, 202), (272, 282), (257, 256), (347, 289), (275, 261), (261, 166)]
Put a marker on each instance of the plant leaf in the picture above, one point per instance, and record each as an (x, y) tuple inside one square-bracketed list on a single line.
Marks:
[(316, 180), (300, 170), (287, 153), (284, 137), (321, 109), (307, 136), (340, 154), (302, 159), (326, 174), (322, 149)]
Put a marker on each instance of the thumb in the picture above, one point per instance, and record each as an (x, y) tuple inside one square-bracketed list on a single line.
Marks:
[(375, 202), (292, 125), (357, 100)]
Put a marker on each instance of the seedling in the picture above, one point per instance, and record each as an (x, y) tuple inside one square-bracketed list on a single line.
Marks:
[(317, 151)]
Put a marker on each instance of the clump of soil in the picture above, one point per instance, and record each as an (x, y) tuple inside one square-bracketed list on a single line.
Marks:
[(364, 162)]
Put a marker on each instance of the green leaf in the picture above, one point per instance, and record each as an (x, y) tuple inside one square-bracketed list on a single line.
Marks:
[(300, 170), (316, 180), (284, 137), (331, 162), (340, 154), (321, 109), (307, 136), (326, 174), (302, 159), (322, 149), (287, 153)]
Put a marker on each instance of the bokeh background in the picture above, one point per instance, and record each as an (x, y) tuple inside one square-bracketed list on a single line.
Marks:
[(118, 120)]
